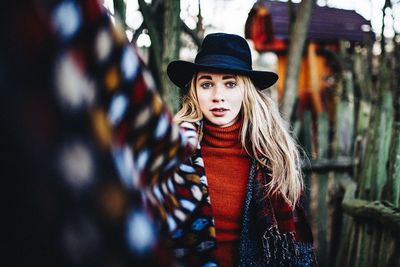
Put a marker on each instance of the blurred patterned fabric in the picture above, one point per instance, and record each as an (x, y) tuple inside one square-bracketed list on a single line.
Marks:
[(85, 140)]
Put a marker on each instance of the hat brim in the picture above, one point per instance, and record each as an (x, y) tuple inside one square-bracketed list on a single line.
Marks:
[(181, 73)]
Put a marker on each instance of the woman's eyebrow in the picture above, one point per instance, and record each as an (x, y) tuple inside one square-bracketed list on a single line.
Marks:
[(207, 77), (228, 77)]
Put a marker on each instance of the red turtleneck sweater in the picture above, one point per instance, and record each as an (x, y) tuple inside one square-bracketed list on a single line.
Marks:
[(227, 169)]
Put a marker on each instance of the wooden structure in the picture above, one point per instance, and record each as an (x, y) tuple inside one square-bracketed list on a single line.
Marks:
[(354, 175), (268, 27), (371, 204), (354, 142)]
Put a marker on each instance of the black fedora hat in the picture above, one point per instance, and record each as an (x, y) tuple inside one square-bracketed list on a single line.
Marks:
[(220, 52)]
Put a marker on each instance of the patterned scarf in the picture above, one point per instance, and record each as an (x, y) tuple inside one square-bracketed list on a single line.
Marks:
[(272, 233)]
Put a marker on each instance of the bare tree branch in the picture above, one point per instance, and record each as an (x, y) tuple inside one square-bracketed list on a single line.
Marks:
[(191, 33), (137, 32)]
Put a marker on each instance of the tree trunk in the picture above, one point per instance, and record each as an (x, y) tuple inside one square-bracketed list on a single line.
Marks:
[(172, 30), (162, 20), (155, 37), (297, 41)]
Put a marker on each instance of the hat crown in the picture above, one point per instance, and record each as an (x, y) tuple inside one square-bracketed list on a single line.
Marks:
[(220, 52), (224, 44)]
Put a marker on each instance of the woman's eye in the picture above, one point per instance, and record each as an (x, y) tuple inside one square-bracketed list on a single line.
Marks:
[(206, 85), (231, 84)]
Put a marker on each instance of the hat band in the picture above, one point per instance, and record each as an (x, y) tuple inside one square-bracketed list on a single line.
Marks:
[(222, 61)]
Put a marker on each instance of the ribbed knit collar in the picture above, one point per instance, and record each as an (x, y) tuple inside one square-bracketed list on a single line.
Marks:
[(215, 136)]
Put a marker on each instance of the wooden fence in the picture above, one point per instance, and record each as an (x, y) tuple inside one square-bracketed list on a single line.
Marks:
[(354, 175)]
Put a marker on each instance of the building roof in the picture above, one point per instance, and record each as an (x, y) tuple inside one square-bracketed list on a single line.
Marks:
[(327, 24)]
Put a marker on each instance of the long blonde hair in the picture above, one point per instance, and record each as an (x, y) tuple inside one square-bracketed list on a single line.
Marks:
[(270, 142)]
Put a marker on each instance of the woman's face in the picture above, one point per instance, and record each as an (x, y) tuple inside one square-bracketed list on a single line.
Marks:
[(220, 97)]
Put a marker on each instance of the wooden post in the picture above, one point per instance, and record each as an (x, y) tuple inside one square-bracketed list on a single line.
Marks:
[(363, 83), (307, 126), (383, 139), (392, 187), (342, 146), (314, 77), (323, 148)]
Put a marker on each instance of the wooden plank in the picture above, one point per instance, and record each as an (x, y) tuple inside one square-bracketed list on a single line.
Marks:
[(376, 176), (360, 143), (395, 174), (392, 192), (385, 247), (343, 145), (383, 137), (307, 146), (384, 213), (352, 247), (314, 77), (323, 135), (365, 245), (344, 131), (322, 214), (359, 259), (307, 133), (343, 253), (392, 257), (368, 168), (381, 212), (374, 245), (342, 164)]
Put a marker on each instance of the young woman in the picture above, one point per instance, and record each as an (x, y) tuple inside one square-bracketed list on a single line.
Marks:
[(252, 209)]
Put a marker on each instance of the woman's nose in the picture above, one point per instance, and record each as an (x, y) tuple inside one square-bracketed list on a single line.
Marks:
[(218, 95)]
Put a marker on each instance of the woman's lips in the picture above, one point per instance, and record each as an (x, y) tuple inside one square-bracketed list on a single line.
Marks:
[(219, 112)]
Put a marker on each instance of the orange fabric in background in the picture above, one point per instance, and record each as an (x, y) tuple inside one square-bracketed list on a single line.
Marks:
[(227, 169)]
